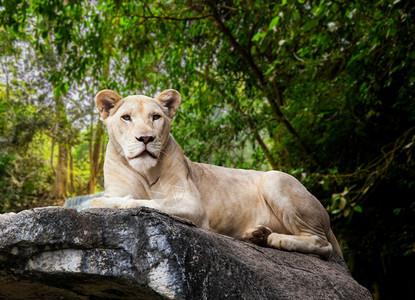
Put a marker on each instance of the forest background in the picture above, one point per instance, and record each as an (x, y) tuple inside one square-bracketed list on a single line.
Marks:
[(323, 90)]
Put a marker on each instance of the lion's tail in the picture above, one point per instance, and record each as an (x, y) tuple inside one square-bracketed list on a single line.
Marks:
[(333, 241)]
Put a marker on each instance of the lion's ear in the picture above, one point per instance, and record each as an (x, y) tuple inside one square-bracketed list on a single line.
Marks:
[(170, 99), (106, 100)]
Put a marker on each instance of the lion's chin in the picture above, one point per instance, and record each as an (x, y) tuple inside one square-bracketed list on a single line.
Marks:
[(143, 161)]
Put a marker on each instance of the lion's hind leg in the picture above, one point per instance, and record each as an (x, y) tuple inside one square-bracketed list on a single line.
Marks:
[(305, 243)]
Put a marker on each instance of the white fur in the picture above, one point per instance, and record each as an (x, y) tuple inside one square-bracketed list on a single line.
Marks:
[(244, 204)]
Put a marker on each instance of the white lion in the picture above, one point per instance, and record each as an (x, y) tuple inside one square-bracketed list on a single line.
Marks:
[(144, 166)]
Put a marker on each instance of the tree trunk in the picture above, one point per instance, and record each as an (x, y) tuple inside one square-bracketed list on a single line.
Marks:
[(61, 137), (61, 177), (52, 154), (94, 155), (71, 175)]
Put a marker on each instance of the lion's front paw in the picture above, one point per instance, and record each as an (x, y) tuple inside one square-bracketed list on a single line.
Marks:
[(95, 203), (105, 202), (258, 235)]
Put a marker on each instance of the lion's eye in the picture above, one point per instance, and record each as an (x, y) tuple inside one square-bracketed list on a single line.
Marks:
[(156, 117), (126, 118)]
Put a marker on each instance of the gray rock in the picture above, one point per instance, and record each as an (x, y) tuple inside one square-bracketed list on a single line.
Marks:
[(59, 253)]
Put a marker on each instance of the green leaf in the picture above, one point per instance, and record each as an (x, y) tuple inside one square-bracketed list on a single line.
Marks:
[(310, 25), (258, 36), (358, 208), (273, 22)]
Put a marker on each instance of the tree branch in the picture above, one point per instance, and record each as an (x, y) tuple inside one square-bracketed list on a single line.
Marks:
[(246, 55), (172, 18), (271, 92), (251, 126), (266, 151)]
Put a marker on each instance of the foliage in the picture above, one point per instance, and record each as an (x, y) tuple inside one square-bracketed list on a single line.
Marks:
[(320, 89)]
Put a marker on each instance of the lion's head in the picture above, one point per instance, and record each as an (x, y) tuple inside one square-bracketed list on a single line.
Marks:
[(138, 126)]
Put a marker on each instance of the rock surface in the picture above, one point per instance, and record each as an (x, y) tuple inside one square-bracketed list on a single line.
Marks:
[(59, 253)]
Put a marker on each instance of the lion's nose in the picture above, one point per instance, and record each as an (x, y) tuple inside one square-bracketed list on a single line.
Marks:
[(145, 139)]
